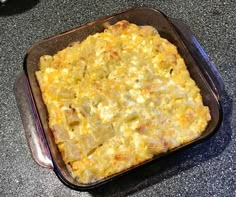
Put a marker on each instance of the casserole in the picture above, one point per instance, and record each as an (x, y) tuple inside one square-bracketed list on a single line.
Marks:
[(139, 16)]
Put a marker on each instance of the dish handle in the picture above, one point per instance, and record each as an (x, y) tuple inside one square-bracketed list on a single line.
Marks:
[(33, 132)]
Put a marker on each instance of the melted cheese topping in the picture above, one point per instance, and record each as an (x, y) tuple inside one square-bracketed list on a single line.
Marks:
[(118, 98)]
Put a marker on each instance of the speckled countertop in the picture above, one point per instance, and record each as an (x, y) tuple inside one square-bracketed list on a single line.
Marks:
[(207, 169)]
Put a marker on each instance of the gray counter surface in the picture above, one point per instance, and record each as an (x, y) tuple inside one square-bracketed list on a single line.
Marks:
[(207, 169)]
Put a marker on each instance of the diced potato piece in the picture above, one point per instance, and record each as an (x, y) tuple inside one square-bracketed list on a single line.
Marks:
[(103, 132), (131, 117), (156, 146), (148, 30), (45, 62), (171, 142), (121, 25), (59, 132), (66, 93), (171, 58), (144, 128), (87, 143), (71, 152), (72, 117), (123, 159), (85, 108), (89, 176), (121, 156), (78, 70)]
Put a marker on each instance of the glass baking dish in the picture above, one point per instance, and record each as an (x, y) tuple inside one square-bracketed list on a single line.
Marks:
[(34, 113)]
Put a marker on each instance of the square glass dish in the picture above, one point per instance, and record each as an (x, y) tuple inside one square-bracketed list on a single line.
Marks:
[(34, 112)]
